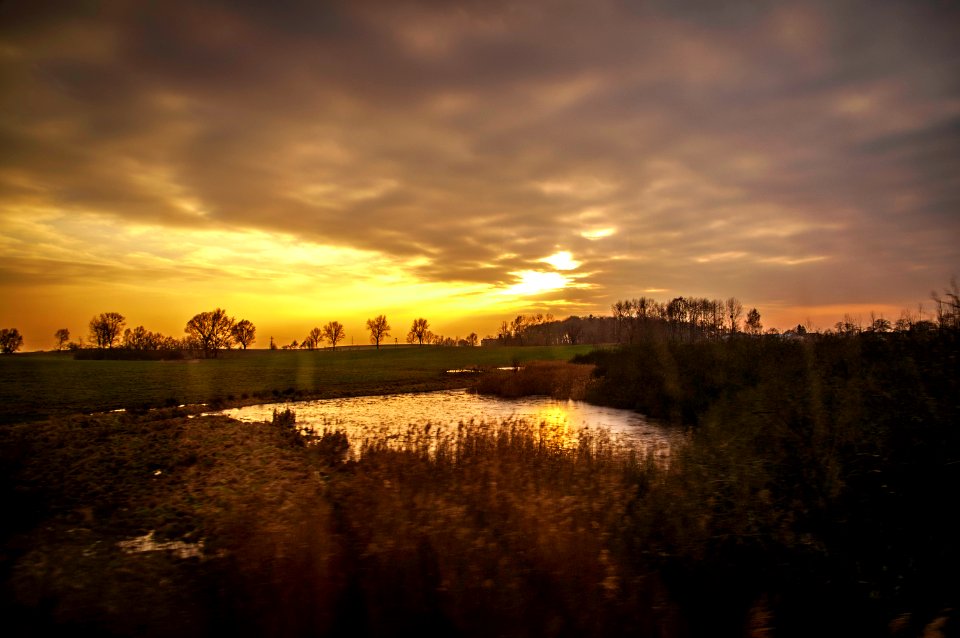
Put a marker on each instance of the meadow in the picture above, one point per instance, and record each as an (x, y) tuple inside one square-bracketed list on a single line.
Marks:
[(44, 384)]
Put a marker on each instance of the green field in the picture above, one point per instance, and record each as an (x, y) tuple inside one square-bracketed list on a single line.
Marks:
[(38, 385)]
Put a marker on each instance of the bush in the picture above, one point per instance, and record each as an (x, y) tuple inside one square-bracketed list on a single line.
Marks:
[(558, 379)]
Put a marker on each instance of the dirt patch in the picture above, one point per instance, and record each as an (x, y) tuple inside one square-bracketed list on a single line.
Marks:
[(128, 524)]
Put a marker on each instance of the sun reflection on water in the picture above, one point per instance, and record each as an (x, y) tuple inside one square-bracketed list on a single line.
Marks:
[(555, 419), (430, 417)]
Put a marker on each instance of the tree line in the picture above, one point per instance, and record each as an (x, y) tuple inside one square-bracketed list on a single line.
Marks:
[(206, 332), (693, 319), (635, 320), (379, 329), (209, 332), (631, 321)]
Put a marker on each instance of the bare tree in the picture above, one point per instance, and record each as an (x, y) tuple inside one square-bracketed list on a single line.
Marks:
[(62, 336), (105, 329), (503, 336), (10, 340), (244, 333), (904, 322), (753, 325), (517, 326), (212, 329), (734, 313), (379, 328), (472, 339), (574, 330), (141, 339), (418, 330), (847, 326), (333, 332), (948, 306), (313, 339)]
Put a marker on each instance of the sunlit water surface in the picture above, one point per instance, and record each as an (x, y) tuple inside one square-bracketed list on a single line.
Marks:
[(391, 416)]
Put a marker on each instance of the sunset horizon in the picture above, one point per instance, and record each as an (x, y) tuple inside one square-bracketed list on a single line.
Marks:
[(471, 162)]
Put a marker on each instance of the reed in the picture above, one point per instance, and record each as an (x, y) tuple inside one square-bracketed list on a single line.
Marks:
[(811, 497)]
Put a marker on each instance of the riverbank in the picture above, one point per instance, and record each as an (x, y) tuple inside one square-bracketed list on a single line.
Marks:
[(158, 523), (37, 386)]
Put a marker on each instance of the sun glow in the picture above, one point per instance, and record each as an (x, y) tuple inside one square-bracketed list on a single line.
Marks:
[(562, 260), (598, 233), (533, 282)]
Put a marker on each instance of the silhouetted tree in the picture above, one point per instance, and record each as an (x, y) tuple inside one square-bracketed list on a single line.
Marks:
[(904, 322), (503, 335), (379, 328), (333, 332), (418, 330), (244, 333), (141, 339), (517, 326), (105, 329), (734, 313), (879, 324), (948, 306), (621, 316), (574, 330), (753, 325), (212, 330), (313, 339), (62, 336), (848, 326), (472, 339), (10, 340)]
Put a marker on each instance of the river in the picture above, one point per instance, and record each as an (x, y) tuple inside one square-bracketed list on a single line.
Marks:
[(391, 415)]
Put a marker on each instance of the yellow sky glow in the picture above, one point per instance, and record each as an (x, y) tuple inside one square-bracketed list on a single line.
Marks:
[(562, 260), (427, 159), (598, 233), (533, 282), (160, 276)]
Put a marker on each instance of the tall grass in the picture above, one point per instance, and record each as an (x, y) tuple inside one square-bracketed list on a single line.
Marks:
[(558, 379), (813, 497), (494, 529)]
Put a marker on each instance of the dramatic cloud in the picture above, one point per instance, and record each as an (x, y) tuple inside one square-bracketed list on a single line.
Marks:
[(489, 157)]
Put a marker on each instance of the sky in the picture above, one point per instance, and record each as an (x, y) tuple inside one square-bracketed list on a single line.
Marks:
[(299, 162)]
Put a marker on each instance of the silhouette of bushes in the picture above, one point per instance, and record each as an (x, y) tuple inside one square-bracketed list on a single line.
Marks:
[(558, 379)]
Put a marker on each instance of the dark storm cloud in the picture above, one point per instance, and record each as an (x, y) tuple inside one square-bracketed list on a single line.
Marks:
[(741, 147)]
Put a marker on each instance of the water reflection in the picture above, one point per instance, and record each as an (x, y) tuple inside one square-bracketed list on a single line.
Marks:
[(394, 416)]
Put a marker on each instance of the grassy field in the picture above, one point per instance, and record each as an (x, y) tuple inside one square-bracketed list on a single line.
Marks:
[(38, 385)]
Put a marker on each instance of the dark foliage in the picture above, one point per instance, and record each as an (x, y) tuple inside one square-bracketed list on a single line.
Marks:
[(829, 470)]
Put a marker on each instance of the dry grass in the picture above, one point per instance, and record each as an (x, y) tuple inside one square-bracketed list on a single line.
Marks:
[(497, 530), (558, 379), (781, 514)]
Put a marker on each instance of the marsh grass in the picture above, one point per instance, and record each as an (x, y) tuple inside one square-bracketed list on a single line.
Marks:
[(558, 379), (812, 497)]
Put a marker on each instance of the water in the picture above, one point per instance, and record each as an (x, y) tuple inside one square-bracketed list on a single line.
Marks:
[(391, 415)]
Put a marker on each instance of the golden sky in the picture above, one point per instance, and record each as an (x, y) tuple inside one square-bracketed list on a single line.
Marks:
[(300, 162)]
